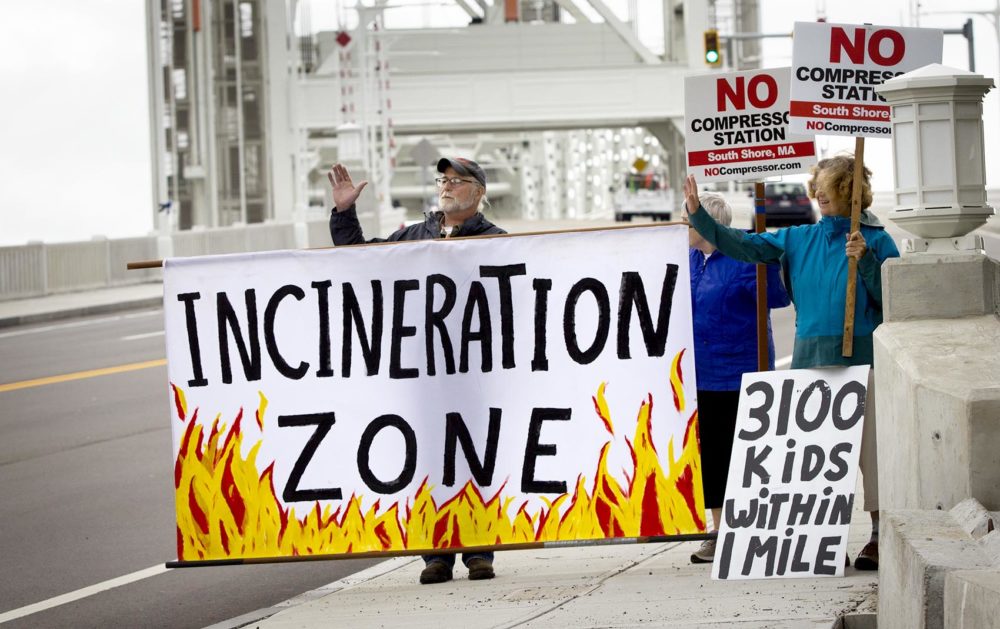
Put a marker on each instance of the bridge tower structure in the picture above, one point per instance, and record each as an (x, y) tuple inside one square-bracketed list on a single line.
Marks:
[(253, 100)]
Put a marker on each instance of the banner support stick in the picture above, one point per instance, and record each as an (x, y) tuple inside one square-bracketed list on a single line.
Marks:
[(852, 263), (156, 264), (760, 218), (385, 554)]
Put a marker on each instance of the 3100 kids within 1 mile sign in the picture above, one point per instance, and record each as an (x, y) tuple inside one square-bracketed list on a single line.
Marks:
[(438, 394)]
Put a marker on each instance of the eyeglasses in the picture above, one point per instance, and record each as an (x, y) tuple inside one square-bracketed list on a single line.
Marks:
[(455, 181)]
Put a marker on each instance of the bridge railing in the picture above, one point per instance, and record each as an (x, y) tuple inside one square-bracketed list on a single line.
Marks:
[(38, 269)]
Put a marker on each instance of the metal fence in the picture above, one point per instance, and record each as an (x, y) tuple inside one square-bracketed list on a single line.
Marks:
[(38, 269)]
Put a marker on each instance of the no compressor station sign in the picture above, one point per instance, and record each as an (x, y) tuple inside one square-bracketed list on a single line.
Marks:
[(836, 67), (736, 127)]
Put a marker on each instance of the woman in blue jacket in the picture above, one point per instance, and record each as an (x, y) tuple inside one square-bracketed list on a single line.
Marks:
[(815, 258), (724, 305)]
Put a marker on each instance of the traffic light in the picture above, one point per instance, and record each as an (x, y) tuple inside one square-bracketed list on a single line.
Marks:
[(713, 56)]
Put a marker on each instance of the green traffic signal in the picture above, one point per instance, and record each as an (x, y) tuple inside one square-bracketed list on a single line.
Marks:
[(712, 55)]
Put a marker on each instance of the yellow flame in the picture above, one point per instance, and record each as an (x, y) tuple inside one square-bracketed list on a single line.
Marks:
[(180, 401), (260, 410), (677, 381), (601, 405), (226, 508)]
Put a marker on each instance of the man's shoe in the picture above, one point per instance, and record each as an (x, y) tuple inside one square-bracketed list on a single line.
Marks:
[(868, 557), (705, 553), (479, 568), (435, 572)]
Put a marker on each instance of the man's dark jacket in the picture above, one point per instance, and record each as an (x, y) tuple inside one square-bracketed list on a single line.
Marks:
[(346, 230)]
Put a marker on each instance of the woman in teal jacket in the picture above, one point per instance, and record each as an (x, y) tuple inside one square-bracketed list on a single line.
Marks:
[(815, 259)]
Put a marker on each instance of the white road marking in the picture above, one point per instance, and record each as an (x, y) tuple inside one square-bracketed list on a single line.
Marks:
[(146, 335), (783, 362), (56, 601), (77, 324)]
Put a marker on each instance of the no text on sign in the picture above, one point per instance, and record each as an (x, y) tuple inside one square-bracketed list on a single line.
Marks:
[(736, 127), (836, 67)]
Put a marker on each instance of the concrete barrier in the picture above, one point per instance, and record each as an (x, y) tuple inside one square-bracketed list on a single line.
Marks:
[(269, 237), (962, 285), (190, 243), (972, 599), (940, 412), (22, 271), (225, 240), (917, 550), (319, 234), (124, 250), (39, 269), (77, 265)]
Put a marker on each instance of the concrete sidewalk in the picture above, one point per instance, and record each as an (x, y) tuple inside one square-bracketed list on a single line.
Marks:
[(606, 586), (650, 585), (78, 304)]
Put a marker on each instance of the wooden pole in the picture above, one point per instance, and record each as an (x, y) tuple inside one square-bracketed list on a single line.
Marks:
[(155, 264), (852, 263), (383, 554), (760, 218)]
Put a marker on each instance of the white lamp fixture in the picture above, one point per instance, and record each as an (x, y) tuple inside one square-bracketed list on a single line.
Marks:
[(937, 144)]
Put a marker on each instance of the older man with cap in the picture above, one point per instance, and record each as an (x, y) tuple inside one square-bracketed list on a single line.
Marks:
[(461, 192)]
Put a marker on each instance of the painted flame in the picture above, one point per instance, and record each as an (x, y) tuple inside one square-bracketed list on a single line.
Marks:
[(226, 508)]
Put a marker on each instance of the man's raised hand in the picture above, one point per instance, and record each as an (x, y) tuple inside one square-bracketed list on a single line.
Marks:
[(345, 194)]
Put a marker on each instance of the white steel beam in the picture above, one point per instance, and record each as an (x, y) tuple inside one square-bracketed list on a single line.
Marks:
[(157, 139), (668, 31), (696, 20), (503, 101), (570, 7), (282, 146), (623, 31), (464, 4)]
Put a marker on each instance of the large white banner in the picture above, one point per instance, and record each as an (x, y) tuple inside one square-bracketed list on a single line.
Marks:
[(836, 68), (792, 476), (736, 127), (435, 394)]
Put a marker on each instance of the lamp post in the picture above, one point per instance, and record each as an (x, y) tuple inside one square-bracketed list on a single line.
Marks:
[(937, 144)]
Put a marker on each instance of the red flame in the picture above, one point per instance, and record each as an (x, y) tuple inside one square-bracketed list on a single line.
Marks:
[(232, 495), (685, 485), (177, 402)]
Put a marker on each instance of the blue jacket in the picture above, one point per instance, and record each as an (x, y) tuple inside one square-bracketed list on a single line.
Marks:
[(724, 305), (814, 259)]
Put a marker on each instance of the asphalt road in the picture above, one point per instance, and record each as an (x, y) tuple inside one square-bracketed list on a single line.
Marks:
[(87, 492), (87, 495)]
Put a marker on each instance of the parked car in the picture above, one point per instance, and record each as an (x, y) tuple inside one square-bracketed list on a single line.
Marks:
[(786, 203)]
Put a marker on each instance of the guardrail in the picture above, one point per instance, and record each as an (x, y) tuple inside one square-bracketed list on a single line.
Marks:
[(38, 269)]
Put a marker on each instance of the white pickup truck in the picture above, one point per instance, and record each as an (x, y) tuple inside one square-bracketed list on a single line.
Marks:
[(643, 194)]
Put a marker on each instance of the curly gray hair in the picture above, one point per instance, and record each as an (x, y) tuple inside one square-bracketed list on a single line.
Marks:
[(717, 206)]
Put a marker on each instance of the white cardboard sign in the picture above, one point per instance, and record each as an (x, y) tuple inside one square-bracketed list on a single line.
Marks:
[(790, 489), (433, 394), (736, 127), (836, 67)]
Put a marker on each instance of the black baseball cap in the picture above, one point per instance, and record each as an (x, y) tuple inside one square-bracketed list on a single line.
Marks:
[(464, 167)]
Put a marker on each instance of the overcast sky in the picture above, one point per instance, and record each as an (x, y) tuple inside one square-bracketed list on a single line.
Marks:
[(74, 116)]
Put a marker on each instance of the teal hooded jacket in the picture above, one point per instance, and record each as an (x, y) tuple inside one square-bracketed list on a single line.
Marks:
[(815, 265)]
